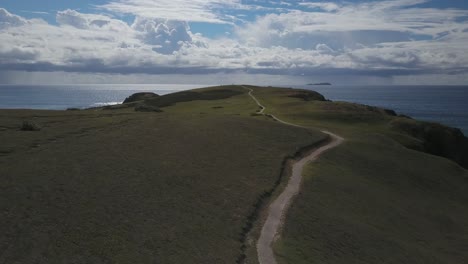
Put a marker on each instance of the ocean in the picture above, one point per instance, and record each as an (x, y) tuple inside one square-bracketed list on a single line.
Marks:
[(60, 97), (443, 104)]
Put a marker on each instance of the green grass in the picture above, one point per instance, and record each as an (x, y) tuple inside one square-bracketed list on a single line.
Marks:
[(355, 119), (214, 93), (180, 186), (371, 200), (119, 186)]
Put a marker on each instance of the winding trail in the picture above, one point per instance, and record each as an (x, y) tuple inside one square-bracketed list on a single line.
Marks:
[(278, 208)]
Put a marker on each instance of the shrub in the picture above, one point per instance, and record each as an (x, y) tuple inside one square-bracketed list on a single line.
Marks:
[(29, 126), (390, 112), (139, 97)]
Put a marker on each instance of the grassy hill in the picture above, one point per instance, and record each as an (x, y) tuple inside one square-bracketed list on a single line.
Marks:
[(119, 186), (182, 180), (371, 200)]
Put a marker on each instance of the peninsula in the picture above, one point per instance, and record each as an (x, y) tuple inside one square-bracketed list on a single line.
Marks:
[(318, 84), (231, 174)]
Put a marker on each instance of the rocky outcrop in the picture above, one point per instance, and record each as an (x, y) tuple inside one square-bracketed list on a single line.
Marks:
[(140, 97), (436, 139)]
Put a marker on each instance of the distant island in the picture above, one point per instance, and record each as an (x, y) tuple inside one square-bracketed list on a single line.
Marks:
[(325, 83)]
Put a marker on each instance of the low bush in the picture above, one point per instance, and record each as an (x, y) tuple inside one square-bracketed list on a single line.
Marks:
[(29, 126)]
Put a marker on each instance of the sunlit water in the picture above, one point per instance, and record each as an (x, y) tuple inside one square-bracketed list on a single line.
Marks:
[(59, 97)]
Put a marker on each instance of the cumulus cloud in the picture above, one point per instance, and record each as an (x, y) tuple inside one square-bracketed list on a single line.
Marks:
[(387, 36), (17, 54), (72, 18), (380, 38), (181, 10), (89, 21), (324, 48), (167, 36), (353, 24), (9, 20)]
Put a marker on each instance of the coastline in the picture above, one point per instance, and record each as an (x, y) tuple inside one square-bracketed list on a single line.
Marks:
[(415, 105), (439, 104)]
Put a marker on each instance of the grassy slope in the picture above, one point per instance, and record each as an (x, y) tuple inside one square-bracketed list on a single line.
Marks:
[(118, 186), (371, 200)]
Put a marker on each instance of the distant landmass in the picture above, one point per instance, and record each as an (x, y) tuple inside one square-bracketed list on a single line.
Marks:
[(325, 83)]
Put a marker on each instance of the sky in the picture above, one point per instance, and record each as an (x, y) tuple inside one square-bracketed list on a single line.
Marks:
[(234, 41)]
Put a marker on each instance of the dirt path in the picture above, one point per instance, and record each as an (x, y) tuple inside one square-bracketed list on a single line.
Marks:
[(278, 207)]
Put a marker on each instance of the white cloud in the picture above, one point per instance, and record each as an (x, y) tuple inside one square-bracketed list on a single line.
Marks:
[(72, 18), (35, 12), (376, 38), (180, 10), (9, 20), (327, 6), (376, 16), (90, 21), (392, 36), (166, 36), (324, 48)]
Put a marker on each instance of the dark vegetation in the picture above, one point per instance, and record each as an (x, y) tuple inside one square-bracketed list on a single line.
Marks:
[(325, 83), (377, 110), (436, 139), (390, 112), (307, 95), (139, 97), (29, 126)]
